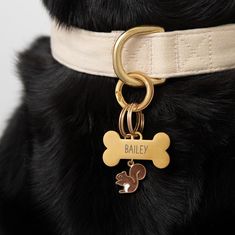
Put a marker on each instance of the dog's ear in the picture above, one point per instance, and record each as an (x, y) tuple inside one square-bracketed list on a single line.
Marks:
[(107, 15)]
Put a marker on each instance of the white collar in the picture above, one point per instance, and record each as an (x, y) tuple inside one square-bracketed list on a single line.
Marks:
[(162, 55)]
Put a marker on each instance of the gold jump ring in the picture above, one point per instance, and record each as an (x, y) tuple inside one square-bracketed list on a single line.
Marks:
[(149, 92)]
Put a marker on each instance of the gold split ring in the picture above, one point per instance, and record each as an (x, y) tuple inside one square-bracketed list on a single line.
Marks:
[(139, 122)]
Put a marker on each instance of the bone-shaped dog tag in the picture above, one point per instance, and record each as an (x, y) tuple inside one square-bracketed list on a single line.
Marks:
[(136, 149)]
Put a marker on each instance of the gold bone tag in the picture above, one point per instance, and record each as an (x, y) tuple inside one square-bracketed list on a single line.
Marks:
[(136, 149)]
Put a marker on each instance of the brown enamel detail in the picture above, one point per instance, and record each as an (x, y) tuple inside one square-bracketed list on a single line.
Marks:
[(130, 182)]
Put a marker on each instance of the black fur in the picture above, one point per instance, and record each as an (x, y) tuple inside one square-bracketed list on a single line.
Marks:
[(52, 178)]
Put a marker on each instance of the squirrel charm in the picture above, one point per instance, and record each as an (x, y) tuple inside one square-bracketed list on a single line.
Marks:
[(130, 182)]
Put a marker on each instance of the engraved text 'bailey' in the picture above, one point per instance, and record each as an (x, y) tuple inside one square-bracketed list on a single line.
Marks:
[(136, 149)]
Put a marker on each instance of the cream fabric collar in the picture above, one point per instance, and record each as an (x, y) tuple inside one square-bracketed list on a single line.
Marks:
[(162, 55)]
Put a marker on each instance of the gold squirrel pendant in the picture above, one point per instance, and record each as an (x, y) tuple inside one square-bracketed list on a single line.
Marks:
[(130, 183)]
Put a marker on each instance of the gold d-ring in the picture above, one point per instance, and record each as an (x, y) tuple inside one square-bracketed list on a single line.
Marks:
[(143, 79), (117, 54)]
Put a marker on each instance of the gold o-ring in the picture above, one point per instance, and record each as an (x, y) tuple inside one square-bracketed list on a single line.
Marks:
[(149, 92), (131, 163)]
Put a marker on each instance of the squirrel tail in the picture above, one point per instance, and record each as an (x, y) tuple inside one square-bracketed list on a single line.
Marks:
[(138, 171)]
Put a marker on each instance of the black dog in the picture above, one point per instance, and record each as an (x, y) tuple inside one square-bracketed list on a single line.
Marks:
[(52, 177)]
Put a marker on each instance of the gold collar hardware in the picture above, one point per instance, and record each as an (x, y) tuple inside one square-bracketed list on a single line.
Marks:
[(133, 146), (117, 54)]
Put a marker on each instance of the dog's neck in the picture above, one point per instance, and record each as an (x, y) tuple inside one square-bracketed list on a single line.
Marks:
[(161, 55)]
